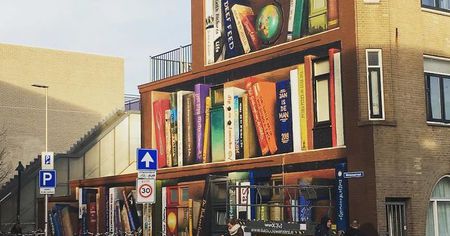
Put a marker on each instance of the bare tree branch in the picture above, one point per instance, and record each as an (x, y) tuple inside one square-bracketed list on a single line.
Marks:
[(5, 164)]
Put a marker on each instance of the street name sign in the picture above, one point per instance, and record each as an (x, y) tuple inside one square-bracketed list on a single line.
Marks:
[(353, 174)]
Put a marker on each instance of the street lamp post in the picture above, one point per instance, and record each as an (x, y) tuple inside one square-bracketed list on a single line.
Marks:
[(46, 147)]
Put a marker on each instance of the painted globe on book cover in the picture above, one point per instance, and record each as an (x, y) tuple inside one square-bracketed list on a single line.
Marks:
[(269, 22)]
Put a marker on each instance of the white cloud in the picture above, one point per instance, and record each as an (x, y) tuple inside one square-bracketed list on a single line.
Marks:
[(132, 29)]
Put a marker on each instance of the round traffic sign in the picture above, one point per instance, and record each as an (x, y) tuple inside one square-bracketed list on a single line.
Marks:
[(145, 190)]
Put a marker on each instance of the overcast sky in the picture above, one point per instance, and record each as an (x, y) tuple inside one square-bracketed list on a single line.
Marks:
[(131, 29)]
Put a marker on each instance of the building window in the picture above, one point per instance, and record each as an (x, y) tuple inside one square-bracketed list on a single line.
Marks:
[(396, 217), (438, 219), (437, 4), (375, 84), (437, 85)]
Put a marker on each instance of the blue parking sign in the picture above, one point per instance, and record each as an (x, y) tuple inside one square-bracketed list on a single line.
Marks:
[(47, 178), (147, 159)]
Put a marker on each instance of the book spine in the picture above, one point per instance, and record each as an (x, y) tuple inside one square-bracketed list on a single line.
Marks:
[(111, 216), (128, 211), (240, 28), (188, 129), (266, 109), (163, 211), (133, 209), (284, 111), (232, 45), (168, 133), (219, 47), (332, 98), (230, 150), (236, 128), (191, 217), (338, 97), (297, 30), (317, 18), (202, 223), (309, 100), (333, 14), (217, 134), (295, 105), (159, 108), (200, 93), (249, 27), (206, 137), (290, 26), (258, 123), (180, 127), (241, 129), (174, 128), (249, 132), (209, 32)]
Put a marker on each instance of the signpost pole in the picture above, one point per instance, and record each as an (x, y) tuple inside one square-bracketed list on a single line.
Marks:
[(46, 150)]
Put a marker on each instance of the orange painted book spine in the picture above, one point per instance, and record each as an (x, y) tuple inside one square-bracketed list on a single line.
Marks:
[(258, 123)]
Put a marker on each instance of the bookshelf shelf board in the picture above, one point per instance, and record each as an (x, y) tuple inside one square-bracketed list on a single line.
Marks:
[(226, 166), (320, 39)]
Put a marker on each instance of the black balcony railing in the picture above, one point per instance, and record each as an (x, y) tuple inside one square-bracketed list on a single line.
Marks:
[(171, 63)]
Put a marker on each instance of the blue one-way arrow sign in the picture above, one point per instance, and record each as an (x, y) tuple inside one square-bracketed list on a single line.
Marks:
[(147, 159)]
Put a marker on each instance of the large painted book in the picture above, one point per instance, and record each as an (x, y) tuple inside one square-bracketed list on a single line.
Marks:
[(322, 136), (174, 128), (206, 153), (299, 19), (230, 119), (127, 208), (203, 216), (250, 148), (172, 221), (265, 94), (180, 116), (209, 32), (317, 18), (284, 116), (295, 105), (233, 46), (238, 128), (248, 21), (219, 45), (188, 130), (157, 97), (309, 103), (133, 208), (217, 123), (159, 108), (168, 133), (201, 91), (163, 211), (245, 18), (257, 119)]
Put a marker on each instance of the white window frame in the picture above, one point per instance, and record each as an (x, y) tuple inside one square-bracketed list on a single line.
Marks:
[(434, 201), (428, 72), (380, 67)]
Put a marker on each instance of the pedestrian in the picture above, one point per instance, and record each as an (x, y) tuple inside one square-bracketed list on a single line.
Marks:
[(234, 228), (324, 228), (354, 229)]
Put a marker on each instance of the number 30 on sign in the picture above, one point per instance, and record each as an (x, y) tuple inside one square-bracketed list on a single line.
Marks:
[(145, 189)]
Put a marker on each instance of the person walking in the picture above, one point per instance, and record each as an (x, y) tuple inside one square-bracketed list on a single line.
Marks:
[(234, 228), (354, 229), (324, 228)]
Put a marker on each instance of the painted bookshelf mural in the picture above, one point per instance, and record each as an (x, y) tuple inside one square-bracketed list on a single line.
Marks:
[(293, 109), (237, 27)]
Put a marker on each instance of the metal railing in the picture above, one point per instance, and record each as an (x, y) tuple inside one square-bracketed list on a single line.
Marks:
[(132, 102), (171, 63)]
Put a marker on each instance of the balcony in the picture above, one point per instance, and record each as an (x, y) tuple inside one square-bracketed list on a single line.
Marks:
[(171, 63)]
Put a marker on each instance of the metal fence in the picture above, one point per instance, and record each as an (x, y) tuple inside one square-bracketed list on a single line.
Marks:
[(171, 63)]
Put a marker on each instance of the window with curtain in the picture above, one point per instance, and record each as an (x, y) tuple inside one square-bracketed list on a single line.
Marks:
[(375, 84), (438, 219)]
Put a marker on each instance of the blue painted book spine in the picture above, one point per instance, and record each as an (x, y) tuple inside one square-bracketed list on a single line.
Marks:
[(233, 46), (284, 117)]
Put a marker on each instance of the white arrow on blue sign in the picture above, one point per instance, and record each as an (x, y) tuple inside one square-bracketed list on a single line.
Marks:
[(147, 159)]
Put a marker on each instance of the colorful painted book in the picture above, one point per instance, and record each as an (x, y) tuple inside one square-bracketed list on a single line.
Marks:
[(299, 19), (174, 128), (134, 211), (295, 104), (201, 91), (163, 211), (188, 130), (180, 123), (317, 18), (155, 128), (337, 121), (239, 12), (236, 128), (333, 14), (219, 46), (290, 26), (265, 94), (172, 221), (229, 121), (284, 116), (233, 46), (309, 108), (167, 131), (249, 130), (248, 21), (217, 134), (128, 211), (159, 108), (209, 32), (206, 154), (240, 140), (257, 120)]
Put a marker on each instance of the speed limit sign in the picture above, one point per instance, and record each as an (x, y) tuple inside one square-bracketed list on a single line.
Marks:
[(145, 190)]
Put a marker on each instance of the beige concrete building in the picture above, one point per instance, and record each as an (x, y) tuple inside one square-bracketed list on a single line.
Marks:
[(83, 90)]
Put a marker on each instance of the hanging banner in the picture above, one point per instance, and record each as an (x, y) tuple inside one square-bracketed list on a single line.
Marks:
[(341, 197)]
